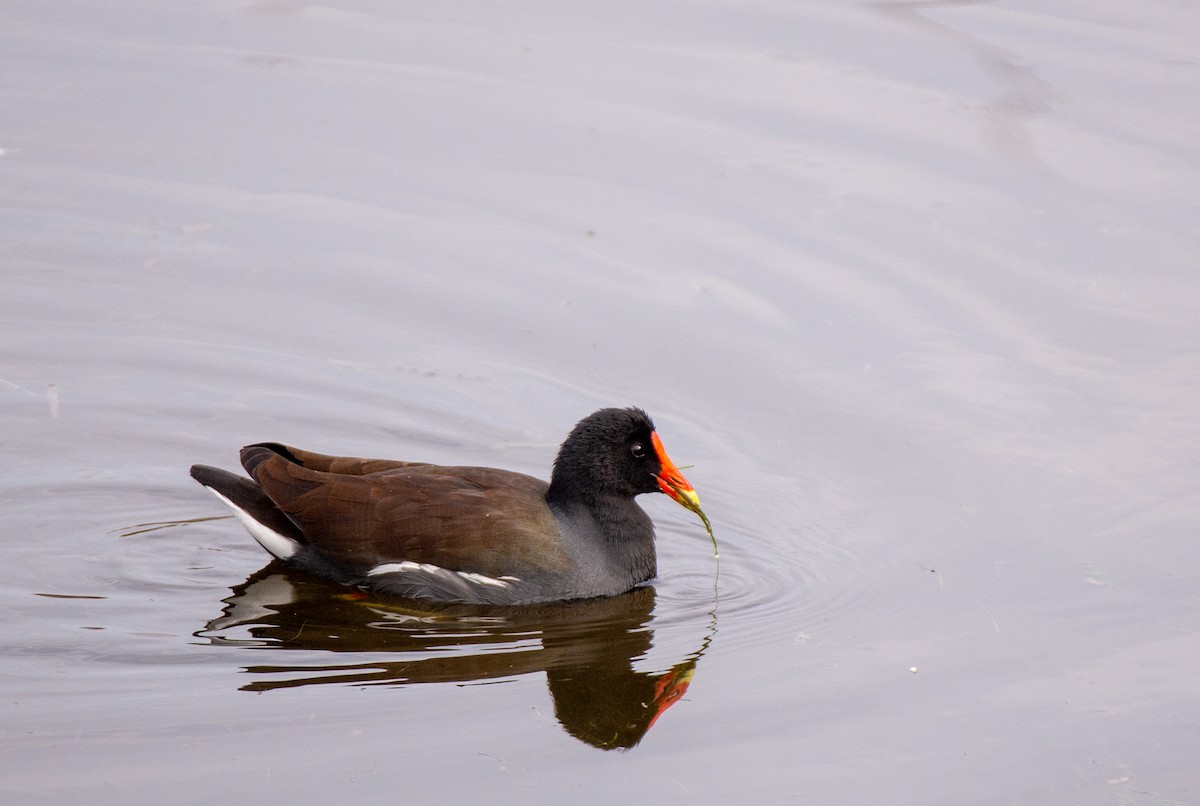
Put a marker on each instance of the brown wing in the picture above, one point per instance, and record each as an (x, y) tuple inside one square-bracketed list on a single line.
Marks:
[(342, 465), (480, 520)]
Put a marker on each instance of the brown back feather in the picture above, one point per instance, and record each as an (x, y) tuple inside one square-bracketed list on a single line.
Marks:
[(362, 512)]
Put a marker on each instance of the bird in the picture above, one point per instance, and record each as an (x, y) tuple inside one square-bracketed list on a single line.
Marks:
[(475, 535)]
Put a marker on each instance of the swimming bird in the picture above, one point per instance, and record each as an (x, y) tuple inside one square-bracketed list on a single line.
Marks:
[(464, 534)]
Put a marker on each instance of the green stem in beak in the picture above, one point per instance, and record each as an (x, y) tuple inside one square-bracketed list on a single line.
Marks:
[(672, 482)]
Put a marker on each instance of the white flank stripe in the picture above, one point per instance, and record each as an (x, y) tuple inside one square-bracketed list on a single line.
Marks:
[(480, 579), (436, 570), (396, 568), (282, 547)]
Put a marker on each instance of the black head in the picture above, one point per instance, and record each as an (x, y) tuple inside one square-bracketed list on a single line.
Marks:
[(608, 453)]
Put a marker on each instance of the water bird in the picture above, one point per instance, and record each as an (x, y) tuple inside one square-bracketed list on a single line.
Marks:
[(476, 535)]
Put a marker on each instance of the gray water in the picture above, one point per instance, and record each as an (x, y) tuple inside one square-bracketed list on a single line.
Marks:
[(912, 289)]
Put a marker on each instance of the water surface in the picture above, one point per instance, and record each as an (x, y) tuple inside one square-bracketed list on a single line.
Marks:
[(912, 288)]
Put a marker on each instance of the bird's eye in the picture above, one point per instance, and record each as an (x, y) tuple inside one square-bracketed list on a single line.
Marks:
[(638, 450)]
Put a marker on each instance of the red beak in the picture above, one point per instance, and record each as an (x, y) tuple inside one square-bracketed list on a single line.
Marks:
[(670, 480)]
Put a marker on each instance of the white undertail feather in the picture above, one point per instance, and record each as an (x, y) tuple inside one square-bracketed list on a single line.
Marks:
[(279, 545)]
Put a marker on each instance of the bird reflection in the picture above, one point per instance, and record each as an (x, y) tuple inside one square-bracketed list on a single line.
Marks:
[(586, 649)]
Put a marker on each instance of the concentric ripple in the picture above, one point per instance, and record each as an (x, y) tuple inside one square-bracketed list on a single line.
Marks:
[(777, 575)]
